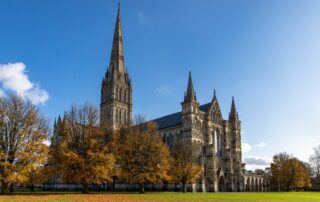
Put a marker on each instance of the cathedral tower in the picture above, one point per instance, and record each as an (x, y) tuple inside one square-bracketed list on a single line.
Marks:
[(116, 88), (235, 133), (190, 120)]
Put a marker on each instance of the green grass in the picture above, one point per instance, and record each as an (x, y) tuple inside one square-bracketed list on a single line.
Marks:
[(165, 196)]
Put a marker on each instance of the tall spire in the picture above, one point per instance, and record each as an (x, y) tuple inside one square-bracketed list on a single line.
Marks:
[(233, 116), (116, 59), (190, 95)]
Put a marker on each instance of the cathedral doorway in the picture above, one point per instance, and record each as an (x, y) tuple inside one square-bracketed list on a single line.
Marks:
[(222, 187)]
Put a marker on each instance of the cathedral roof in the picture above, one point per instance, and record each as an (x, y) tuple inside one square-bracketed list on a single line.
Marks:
[(175, 118), (205, 107), (169, 120)]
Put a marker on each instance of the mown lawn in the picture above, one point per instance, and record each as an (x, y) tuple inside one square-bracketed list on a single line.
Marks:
[(165, 196)]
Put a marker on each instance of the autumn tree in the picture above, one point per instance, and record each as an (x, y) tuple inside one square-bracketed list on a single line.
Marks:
[(83, 152), (54, 166), (184, 168), (302, 178), (289, 173), (315, 165), (23, 132), (143, 157)]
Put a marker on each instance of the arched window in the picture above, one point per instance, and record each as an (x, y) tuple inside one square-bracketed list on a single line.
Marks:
[(210, 138), (115, 92), (215, 142), (119, 116), (128, 116)]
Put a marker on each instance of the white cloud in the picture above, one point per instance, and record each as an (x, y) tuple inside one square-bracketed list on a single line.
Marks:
[(260, 145), (14, 78), (245, 147), (256, 162), (164, 90)]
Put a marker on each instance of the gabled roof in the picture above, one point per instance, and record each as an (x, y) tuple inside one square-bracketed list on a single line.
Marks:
[(169, 120), (205, 107), (175, 118), (215, 105)]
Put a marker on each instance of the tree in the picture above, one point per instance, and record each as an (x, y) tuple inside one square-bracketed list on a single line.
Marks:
[(279, 170), (183, 167), (315, 165), (23, 132), (259, 172), (301, 175), (289, 173), (143, 157), (83, 154)]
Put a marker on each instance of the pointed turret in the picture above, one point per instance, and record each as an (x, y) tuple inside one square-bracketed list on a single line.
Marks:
[(233, 116), (190, 95), (214, 96), (116, 59)]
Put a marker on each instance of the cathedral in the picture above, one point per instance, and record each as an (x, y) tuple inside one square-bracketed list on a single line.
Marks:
[(215, 142)]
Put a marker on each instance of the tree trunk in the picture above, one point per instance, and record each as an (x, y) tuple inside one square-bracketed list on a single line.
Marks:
[(4, 187), (141, 188), (114, 183), (11, 188), (32, 188), (85, 188), (184, 188)]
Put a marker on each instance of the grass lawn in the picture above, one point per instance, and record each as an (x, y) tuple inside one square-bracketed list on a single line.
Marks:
[(165, 196)]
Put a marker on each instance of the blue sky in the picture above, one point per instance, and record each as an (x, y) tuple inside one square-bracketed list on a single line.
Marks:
[(265, 53)]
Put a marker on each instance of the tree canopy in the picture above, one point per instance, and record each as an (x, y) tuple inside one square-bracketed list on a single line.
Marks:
[(289, 173), (23, 132), (143, 157), (83, 155), (183, 168)]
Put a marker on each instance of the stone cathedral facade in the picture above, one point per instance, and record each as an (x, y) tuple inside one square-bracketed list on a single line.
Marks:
[(215, 142)]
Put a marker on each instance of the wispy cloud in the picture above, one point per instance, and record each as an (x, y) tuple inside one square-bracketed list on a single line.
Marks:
[(245, 147), (260, 145), (164, 90), (14, 78)]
